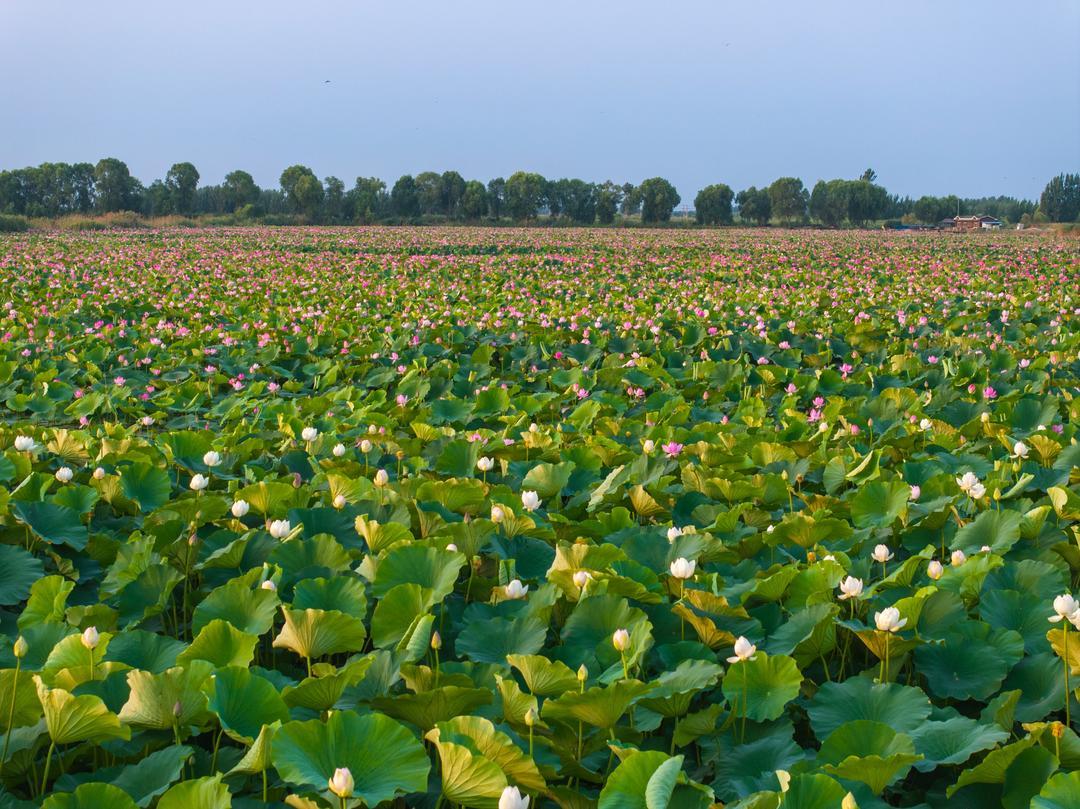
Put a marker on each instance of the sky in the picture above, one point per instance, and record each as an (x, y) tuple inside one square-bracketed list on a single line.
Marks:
[(975, 99)]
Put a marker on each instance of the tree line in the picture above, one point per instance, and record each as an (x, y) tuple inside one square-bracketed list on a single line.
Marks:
[(59, 189)]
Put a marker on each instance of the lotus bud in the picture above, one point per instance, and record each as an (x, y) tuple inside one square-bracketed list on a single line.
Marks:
[(240, 508), (198, 483), (338, 450), (450, 546), (682, 568), (339, 501), (531, 717), (21, 647), (849, 802), (516, 590), (1057, 729), (24, 443), (581, 578), (497, 514), (621, 640), (341, 783), (485, 464), (99, 473), (957, 558), (309, 433), (381, 478), (889, 620), (648, 446), (90, 637), (530, 501), (436, 641), (280, 529), (366, 446), (269, 585), (744, 650), (935, 570), (811, 557), (212, 458), (582, 673), (512, 798)]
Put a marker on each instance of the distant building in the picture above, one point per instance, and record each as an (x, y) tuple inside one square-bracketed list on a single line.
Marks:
[(982, 222)]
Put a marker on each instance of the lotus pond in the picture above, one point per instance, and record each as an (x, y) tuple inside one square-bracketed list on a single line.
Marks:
[(507, 518)]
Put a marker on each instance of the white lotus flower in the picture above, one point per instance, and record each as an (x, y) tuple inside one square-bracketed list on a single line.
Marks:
[(341, 783), (926, 424), (381, 478), (268, 585), (850, 587), (682, 568), (674, 533), (280, 529), (977, 491), (310, 434), (497, 514), (485, 464), (967, 482), (1064, 606), (366, 446), (240, 508), (212, 458), (957, 558), (881, 554), (198, 482), (621, 640), (512, 798), (64, 474), (338, 450), (581, 578), (99, 473), (24, 443), (339, 501), (648, 446), (530, 501), (889, 620), (744, 650), (90, 637), (935, 570), (516, 590)]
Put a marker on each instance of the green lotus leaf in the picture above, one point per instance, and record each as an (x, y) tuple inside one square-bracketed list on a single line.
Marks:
[(676, 688), (1060, 792), (202, 793), (999, 530), (807, 634), (57, 525), (1039, 679), (18, 699), (156, 698), (903, 708), (652, 780), (80, 499), (144, 650), (481, 737), (315, 633), (600, 706), (340, 593), (762, 687), (249, 609), (154, 774), (491, 641), (188, 447), (91, 796), (548, 480), (992, 769), (879, 504), (220, 643), (269, 498), (469, 779), (385, 759), (244, 702), (380, 536), (145, 485), (69, 663), (427, 708), (972, 661), (71, 719), (953, 741), (869, 752), (321, 555), (1026, 777), (750, 766), (257, 759), (397, 613), (18, 572), (812, 791), (431, 568), (543, 677), (322, 693), (457, 459), (588, 632)]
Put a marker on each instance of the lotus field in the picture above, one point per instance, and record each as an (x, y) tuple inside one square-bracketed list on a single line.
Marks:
[(539, 518)]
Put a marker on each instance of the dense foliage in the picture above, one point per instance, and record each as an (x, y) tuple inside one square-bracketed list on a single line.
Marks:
[(420, 517)]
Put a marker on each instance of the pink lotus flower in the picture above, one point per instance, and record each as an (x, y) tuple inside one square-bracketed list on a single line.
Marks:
[(672, 449)]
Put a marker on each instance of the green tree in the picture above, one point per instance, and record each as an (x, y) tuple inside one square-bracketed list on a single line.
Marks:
[(712, 205), (631, 199), (1060, 200), (158, 200), (290, 179), (404, 199), (789, 199), (181, 182), (474, 201), (496, 190), (368, 201), (608, 198), (308, 196), (928, 210), (865, 202), (334, 201), (755, 205), (869, 175), (658, 200), (239, 189), (115, 188), (452, 188), (524, 195), (429, 192)]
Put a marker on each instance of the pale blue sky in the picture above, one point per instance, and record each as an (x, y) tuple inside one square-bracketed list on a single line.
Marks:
[(939, 97)]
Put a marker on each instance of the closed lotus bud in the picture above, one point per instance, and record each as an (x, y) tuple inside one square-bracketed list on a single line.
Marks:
[(621, 640), (20, 648), (515, 589), (582, 673), (1057, 729), (240, 508), (935, 570), (531, 717), (648, 446), (512, 798), (682, 568), (99, 473), (811, 557), (485, 464), (381, 478), (268, 585), (341, 783), (497, 514), (958, 558), (339, 501), (90, 637), (849, 802), (581, 578), (366, 446), (436, 641), (198, 483), (338, 450), (450, 546), (530, 501), (280, 528), (177, 708)]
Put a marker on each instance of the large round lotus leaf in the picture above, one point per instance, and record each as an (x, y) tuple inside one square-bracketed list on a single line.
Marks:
[(72, 719), (903, 708), (971, 662), (249, 609), (220, 643), (397, 613), (384, 757), (314, 633), (492, 640), (675, 688), (869, 752), (427, 708), (321, 555), (587, 633), (1062, 791), (1026, 777), (1019, 611), (202, 793), (879, 504), (342, 593), (144, 650), (57, 525), (1039, 678), (812, 792), (244, 702), (19, 699), (481, 736), (762, 687), (91, 796), (155, 697), (750, 766), (652, 780), (999, 530), (599, 707), (18, 572), (146, 485), (152, 775), (431, 568), (543, 677), (953, 741)]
